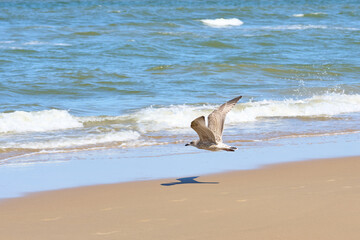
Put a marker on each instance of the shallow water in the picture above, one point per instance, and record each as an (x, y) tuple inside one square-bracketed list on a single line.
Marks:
[(34, 173), (77, 76)]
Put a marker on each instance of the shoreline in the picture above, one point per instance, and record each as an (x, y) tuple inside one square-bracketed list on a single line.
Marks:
[(54, 171), (313, 199)]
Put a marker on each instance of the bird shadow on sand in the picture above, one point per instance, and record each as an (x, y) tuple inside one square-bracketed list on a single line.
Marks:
[(187, 180)]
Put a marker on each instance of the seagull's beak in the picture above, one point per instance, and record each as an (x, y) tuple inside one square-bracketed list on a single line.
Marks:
[(187, 144)]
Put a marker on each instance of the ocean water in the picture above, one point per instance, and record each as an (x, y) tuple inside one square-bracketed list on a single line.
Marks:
[(81, 76)]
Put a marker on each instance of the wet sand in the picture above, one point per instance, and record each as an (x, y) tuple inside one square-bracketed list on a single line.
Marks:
[(316, 199)]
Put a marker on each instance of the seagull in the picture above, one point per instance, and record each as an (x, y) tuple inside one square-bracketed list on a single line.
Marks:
[(211, 135)]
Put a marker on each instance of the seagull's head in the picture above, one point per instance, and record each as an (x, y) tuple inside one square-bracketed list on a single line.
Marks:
[(192, 143)]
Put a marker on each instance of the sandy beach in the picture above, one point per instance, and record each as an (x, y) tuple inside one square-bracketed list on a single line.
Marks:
[(316, 199), (97, 103)]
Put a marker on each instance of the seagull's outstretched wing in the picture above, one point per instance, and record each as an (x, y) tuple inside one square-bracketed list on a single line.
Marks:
[(216, 119), (205, 134)]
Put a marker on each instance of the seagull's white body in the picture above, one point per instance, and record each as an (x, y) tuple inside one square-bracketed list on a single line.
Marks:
[(211, 135)]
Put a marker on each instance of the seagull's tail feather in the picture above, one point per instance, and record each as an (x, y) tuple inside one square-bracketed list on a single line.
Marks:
[(230, 149)]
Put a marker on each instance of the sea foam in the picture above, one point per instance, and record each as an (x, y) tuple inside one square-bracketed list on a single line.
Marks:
[(178, 117), (84, 141), (314, 14), (45, 43), (40, 121), (35, 43), (175, 117), (317, 106), (306, 27), (222, 22), (295, 27), (138, 128)]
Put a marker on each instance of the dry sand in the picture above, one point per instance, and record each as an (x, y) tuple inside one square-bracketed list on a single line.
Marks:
[(305, 200)]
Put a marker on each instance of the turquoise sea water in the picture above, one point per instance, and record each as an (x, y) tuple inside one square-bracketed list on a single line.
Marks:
[(81, 76)]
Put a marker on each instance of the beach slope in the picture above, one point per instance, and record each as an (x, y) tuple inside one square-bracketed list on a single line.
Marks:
[(304, 200)]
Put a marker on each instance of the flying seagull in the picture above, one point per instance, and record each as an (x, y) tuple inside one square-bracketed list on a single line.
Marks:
[(211, 135)]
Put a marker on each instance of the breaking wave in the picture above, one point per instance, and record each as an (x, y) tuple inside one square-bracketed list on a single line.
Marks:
[(317, 106), (59, 130), (222, 22), (178, 117), (155, 119), (41, 121)]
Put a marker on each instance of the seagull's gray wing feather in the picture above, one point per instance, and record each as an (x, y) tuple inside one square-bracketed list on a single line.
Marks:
[(216, 119), (205, 134)]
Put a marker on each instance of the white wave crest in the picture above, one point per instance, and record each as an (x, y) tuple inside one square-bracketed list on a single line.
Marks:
[(316, 106), (41, 121), (314, 14), (152, 125), (6, 42), (178, 117), (295, 27), (62, 44), (153, 119), (45, 43), (222, 22), (298, 15), (306, 27), (168, 118), (35, 43)]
